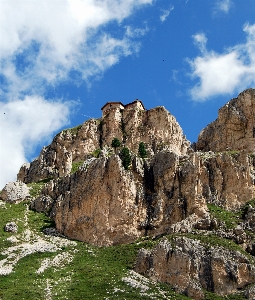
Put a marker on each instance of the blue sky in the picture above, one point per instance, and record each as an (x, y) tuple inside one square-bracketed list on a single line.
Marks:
[(62, 60)]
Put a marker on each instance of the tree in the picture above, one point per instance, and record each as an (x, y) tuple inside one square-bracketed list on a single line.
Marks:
[(142, 150), (115, 144), (126, 158)]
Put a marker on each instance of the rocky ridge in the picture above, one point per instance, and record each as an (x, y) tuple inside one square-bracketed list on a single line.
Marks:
[(175, 191)]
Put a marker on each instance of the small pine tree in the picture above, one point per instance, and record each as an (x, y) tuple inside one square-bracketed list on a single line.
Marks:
[(126, 158), (115, 144), (142, 150)]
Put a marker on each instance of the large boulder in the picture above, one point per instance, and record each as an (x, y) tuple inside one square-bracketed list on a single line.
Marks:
[(15, 192)]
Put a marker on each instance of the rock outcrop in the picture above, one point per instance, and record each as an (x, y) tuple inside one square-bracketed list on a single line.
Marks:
[(234, 129), (15, 192), (11, 227), (104, 204), (157, 128), (190, 266)]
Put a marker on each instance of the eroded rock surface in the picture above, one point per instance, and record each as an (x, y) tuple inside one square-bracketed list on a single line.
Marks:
[(190, 267), (104, 204), (234, 129), (11, 227), (157, 128), (15, 192)]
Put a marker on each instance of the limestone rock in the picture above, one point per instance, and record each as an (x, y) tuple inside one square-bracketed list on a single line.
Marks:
[(104, 204), (189, 267), (11, 227), (15, 192), (157, 128), (234, 129)]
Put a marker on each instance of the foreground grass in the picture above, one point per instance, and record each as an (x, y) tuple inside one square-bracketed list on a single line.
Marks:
[(94, 272)]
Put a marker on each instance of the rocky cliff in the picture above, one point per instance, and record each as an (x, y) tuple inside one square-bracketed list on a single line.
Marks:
[(157, 128), (234, 129), (173, 191)]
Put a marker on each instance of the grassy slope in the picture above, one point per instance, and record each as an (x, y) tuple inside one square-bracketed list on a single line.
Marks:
[(94, 273)]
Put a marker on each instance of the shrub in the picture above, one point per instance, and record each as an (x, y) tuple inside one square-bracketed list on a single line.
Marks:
[(126, 158), (115, 143), (142, 150)]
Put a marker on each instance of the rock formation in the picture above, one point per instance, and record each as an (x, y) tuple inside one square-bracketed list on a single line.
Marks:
[(157, 128), (234, 129), (15, 192), (173, 191), (189, 266)]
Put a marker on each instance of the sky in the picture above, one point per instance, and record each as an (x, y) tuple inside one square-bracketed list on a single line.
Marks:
[(62, 60)]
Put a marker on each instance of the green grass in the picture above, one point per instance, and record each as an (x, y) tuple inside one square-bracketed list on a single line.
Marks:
[(36, 187), (96, 153), (94, 273), (73, 130), (76, 165), (231, 219)]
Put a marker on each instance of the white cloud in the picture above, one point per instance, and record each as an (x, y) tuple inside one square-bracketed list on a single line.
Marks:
[(60, 36), (41, 43), (165, 14), (223, 5), (24, 123), (200, 41), (223, 73)]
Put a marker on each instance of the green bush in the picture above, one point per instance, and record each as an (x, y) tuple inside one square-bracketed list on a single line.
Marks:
[(142, 150), (126, 158), (115, 143)]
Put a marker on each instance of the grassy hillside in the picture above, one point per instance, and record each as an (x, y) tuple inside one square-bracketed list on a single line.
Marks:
[(38, 266)]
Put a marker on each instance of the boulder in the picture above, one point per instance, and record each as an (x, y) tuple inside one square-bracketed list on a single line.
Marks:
[(11, 227), (15, 192)]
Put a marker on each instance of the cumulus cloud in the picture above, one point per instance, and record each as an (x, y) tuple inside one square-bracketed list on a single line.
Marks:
[(223, 5), (42, 43), (165, 14), (51, 38), (223, 73), (24, 123)]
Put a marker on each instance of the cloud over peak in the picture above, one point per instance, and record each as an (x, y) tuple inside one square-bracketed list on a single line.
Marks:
[(226, 72)]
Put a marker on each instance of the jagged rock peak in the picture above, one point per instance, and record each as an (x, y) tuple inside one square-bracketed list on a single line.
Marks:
[(234, 129), (131, 124)]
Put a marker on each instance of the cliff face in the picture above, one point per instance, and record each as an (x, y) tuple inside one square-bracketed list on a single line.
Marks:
[(189, 266), (234, 129), (104, 204)]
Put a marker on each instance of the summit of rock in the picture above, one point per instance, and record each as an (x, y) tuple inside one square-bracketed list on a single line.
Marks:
[(234, 129)]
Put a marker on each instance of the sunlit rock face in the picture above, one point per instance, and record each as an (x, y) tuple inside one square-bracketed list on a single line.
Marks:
[(234, 129), (190, 267), (104, 204), (167, 193), (157, 128)]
